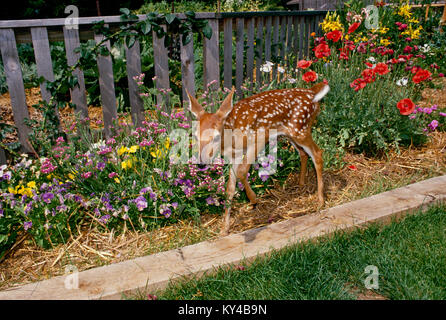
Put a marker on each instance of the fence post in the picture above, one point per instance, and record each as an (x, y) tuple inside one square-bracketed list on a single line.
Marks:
[(14, 79), (239, 50)]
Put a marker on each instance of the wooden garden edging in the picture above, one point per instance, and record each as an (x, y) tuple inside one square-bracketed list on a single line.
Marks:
[(265, 32), (155, 271)]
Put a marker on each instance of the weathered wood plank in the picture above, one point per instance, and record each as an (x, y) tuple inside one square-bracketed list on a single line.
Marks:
[(276, 43), (107, 87), (250, 51), (268, 33), (42, 54), (161, 61), (85, 20), (296, 35), (133, 64), (283, 39), (289, 41), (307, 39), (187, 69), (227, 53), (239, 55), (78, 93), (301, 37), (211, 56), (14, 79), (259, 50)]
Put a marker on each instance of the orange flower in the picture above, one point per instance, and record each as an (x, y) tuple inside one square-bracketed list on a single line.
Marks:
[(309, 76), (406, 106), (313, 34)]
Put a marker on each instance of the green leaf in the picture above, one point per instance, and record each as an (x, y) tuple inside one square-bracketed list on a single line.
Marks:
[(124, 11), (207, 31), (170, 17), (146, 27), (187, 38), (130, 41)]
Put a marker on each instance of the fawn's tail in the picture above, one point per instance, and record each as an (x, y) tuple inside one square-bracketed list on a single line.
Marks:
[(320, 90)]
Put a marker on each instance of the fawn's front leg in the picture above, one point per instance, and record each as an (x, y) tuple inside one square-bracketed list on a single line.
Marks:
[(230, 190)]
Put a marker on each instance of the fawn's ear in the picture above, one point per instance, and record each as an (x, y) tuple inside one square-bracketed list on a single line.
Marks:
[(195, 107), (226, 106)]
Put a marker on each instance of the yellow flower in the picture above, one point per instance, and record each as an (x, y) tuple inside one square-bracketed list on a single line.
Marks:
[(122, 150), (133, 149), (364, 39), (404, 11), (31, 184), (384, 42), (156, 153), (127, 164), (383, 30), (117, 180), (71, 176), (332, 22), (12, 190), (167, 143), (413, 20)]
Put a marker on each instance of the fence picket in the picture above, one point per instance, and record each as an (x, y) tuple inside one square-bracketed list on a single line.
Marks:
[(187, 69), (78, 94), (275, 46), (107, 87), (211, 56), (250, 51), (268, 24), (14, 79), (227, 53), (161, 61), (133, 64), (239, 54), (259, 50), (43, 58)]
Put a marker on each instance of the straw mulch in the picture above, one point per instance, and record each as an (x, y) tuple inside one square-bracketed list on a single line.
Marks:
[(90, 248)]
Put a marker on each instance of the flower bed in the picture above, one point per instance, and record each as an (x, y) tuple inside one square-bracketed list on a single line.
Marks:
[(132, 181)]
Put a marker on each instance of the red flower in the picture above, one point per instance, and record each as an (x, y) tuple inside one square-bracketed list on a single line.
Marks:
[(406, 106), (381, 68), (303, 64), (322, 50), (368, 64), (353, 27), (343, 55), (334, 35), (368, 75), (358, 84), (421, 75), (352, 167), (407, 49), (309, 76)]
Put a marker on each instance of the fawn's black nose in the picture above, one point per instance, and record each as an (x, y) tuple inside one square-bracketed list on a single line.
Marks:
[(201, 166)]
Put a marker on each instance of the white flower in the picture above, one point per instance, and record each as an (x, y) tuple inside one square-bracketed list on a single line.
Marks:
[(402, 82), (280, 69), (425, 49), (267, 67), (372, 59), (292, 80)]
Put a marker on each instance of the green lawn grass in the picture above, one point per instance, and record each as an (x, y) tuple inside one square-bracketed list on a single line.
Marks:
[(410, 256)]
